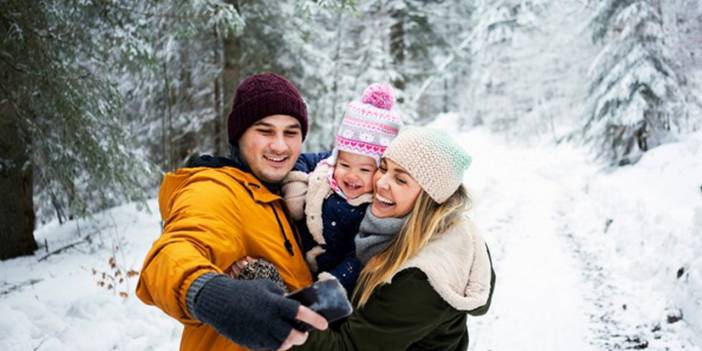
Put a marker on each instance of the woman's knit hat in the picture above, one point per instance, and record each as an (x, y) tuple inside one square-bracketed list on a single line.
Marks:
[(432, 158), (262, 95), (369, 125)]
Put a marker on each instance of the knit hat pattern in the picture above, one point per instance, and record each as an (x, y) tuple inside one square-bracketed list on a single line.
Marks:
[(369, 125), (432, 158), (263, 95)]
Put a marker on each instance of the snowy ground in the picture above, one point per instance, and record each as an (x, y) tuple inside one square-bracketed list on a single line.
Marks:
[(59, 305), (586, 260)]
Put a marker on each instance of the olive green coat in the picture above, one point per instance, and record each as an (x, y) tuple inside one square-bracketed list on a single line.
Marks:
[(425, 305)]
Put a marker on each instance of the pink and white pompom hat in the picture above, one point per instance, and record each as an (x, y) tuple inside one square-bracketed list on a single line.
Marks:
[(369, 125)]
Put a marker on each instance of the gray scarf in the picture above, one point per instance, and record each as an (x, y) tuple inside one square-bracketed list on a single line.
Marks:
[(375, 234)]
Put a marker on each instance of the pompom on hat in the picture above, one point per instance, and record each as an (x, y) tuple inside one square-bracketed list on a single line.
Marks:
[(379, 95), (432, 158), (369, 125)]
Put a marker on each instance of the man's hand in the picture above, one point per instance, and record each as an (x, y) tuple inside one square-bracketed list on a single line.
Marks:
[(297, 337), (252, 313)]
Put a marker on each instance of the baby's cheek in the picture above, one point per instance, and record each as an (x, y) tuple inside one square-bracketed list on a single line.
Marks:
[(337, 174)]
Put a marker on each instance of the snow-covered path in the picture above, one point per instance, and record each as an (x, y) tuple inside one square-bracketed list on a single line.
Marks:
[(562, 283), (539, 302)]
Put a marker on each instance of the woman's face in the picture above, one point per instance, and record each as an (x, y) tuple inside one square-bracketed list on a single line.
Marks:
[(395, 191)]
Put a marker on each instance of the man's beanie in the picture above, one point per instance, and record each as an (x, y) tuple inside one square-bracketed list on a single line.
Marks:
[(432, 158), (263, 95), (369, 125)]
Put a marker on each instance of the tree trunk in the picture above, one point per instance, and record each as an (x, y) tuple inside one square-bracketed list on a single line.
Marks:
[(397, 46), (220, 105), (168, 152), (231, 75), (17, 211)]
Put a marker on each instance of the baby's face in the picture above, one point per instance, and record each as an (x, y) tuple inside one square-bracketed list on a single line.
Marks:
[(354, 174)]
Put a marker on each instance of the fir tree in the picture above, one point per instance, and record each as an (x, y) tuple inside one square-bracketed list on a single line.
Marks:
[(501, 81), (636, 101), (65, 122)]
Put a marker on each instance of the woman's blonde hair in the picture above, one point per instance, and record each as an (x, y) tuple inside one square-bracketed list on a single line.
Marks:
[(426, 218)]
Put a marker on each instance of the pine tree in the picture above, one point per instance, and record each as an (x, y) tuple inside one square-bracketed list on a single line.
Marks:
[(636, 100), (682, 21), (415, 43), (504, 53), (67, 144), (442, 81), (397, 41), (279, 37), (345, 48), (176, 98)]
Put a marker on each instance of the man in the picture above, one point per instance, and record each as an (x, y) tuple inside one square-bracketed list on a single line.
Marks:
[(225, 210)]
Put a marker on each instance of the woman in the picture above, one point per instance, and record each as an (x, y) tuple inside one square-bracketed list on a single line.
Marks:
[(426, 267)]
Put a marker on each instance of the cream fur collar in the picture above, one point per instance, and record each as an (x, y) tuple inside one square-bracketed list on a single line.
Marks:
[(457, 266)]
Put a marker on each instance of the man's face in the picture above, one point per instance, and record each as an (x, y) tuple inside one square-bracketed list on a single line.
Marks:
[(271, 146)]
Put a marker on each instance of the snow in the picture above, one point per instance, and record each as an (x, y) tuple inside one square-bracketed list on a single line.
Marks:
[(64, 309), (538, 279), (572, 242)]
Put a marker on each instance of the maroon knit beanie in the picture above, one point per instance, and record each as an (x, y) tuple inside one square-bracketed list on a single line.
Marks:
[(263, 95)]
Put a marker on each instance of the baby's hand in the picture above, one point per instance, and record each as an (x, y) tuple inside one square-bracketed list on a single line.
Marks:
[(294, 191)]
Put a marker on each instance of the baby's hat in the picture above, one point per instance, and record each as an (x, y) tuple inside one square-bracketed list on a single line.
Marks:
[(369, 125)]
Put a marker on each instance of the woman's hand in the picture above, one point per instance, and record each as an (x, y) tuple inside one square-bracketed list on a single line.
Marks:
[(297, 337)]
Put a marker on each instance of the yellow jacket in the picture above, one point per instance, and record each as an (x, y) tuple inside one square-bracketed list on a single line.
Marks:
[(212, 218)]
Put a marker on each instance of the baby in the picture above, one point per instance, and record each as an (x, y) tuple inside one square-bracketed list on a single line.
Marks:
[(331, 191)]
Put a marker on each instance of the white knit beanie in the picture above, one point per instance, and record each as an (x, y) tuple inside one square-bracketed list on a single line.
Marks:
[(432, 158)]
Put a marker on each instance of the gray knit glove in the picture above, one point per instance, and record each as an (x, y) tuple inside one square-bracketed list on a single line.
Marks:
[(252, 313)]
